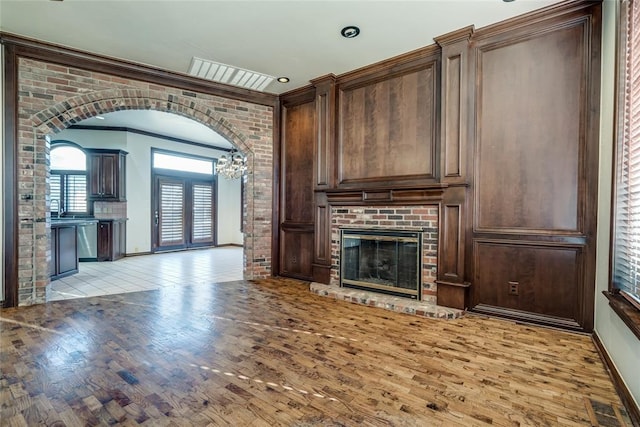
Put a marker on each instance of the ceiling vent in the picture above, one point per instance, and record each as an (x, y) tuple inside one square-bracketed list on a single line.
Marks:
[(228, 74)]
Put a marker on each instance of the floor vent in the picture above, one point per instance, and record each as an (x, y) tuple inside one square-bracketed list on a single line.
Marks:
[(224, 73)]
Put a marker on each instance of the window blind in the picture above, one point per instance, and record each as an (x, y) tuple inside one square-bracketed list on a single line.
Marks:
[(171, 213), (202, 213), (75, 193), (626, 262), (54, 185)]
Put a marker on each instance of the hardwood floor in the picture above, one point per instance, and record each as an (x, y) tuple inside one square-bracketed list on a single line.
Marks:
[(271, 353)]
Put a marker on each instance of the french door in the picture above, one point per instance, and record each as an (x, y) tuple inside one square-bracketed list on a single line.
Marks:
[(184, 215)]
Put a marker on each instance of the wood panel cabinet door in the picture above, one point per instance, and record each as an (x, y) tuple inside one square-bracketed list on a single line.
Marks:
[(119, 240), (104, 240), (107, 175)]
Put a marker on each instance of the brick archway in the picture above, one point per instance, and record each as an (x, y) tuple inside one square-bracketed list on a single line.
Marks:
[(33, 203)]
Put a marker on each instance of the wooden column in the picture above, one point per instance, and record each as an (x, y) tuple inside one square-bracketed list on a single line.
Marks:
[(323, 172), (455, 169)]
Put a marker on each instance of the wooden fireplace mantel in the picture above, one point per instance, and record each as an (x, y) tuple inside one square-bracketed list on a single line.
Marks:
[(429, 194)]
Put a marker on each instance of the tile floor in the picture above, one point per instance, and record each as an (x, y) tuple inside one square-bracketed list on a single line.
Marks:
[(146, 272)]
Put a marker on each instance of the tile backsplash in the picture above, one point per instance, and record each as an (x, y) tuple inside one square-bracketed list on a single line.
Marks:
[(110, 210)]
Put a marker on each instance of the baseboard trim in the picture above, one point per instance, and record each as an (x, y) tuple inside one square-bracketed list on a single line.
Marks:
[(235, 245), (138, 254), (625, 395)]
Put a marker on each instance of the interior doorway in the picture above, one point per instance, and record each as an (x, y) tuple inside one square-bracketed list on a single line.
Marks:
[(170, 205)]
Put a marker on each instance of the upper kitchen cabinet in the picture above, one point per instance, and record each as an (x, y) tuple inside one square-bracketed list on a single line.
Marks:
[(107, 174)]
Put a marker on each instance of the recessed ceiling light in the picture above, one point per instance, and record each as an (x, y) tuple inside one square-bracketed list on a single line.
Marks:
[(350, 31), (283, 79), (507, 1), (99, 117)]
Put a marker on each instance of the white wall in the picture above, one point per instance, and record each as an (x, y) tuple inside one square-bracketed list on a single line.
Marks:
[(139, 183), (622, 345)]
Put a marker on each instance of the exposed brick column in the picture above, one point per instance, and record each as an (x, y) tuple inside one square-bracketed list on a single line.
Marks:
[(53, 97)]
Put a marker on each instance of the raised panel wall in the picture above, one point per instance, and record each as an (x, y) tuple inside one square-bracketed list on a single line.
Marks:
[(530, 123), (536, 92), (297, 204), (545, 280), (387, 129)]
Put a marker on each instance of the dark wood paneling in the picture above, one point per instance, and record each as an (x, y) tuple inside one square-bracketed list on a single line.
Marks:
[(297, 166), (322, 237), (387, 129), (544, 280), (297, 204), (536, 134), (297, 257), (531, 113), (325, 130), (455, 107), (400, 196)]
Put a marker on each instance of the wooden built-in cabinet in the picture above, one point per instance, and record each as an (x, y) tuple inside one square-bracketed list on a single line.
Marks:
[(107, 174), (64, 251), (498, 127), (111, 239)]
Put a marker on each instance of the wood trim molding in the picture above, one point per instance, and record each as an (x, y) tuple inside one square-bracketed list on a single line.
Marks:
[(275, 189), (151, 134), (398, 65), (10, 178), (627, 313), (527, 317), (618, 382), (463, 34), (392, 196), (49, 52), (297, 227), (555, 11)]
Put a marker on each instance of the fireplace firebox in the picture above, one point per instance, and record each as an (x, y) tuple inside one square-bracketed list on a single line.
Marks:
[(385, 261)]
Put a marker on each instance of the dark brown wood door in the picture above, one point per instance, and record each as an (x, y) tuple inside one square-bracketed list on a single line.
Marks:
[(104, 240)]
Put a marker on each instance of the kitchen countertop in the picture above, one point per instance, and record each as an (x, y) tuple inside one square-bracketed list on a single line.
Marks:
[(58, 222)]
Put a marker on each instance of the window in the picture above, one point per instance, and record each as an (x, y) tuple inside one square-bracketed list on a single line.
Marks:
[(626, 242), (68, 182)]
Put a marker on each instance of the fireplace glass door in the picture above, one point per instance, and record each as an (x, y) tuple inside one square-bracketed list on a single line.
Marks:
[(385, 261)]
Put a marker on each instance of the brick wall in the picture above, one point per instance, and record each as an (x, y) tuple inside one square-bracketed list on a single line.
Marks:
[(52, 97), (424, 218)]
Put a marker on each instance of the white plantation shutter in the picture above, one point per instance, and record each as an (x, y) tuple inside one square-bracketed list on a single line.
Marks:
[(626, 259), (171, 219), (75, 193), (202, 213), (54, 185)]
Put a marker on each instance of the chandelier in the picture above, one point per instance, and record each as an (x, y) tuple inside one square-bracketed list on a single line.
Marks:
[(231, 166)]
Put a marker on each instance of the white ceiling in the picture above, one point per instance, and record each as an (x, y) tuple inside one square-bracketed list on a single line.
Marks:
[(297, 38)]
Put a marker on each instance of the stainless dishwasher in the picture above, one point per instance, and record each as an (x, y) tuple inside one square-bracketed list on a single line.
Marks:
[(88, 241)]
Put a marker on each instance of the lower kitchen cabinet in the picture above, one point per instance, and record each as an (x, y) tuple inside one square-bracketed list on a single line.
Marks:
[(64, 251), (111, 239)]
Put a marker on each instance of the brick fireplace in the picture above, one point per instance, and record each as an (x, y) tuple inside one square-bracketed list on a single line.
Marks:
[(422, 218)]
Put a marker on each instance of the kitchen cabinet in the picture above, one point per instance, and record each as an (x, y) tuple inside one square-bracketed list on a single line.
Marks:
[(107, 174), (64, 251), (111, 239)]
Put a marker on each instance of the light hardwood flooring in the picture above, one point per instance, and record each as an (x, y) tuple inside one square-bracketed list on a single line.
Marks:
[(271, 353)]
